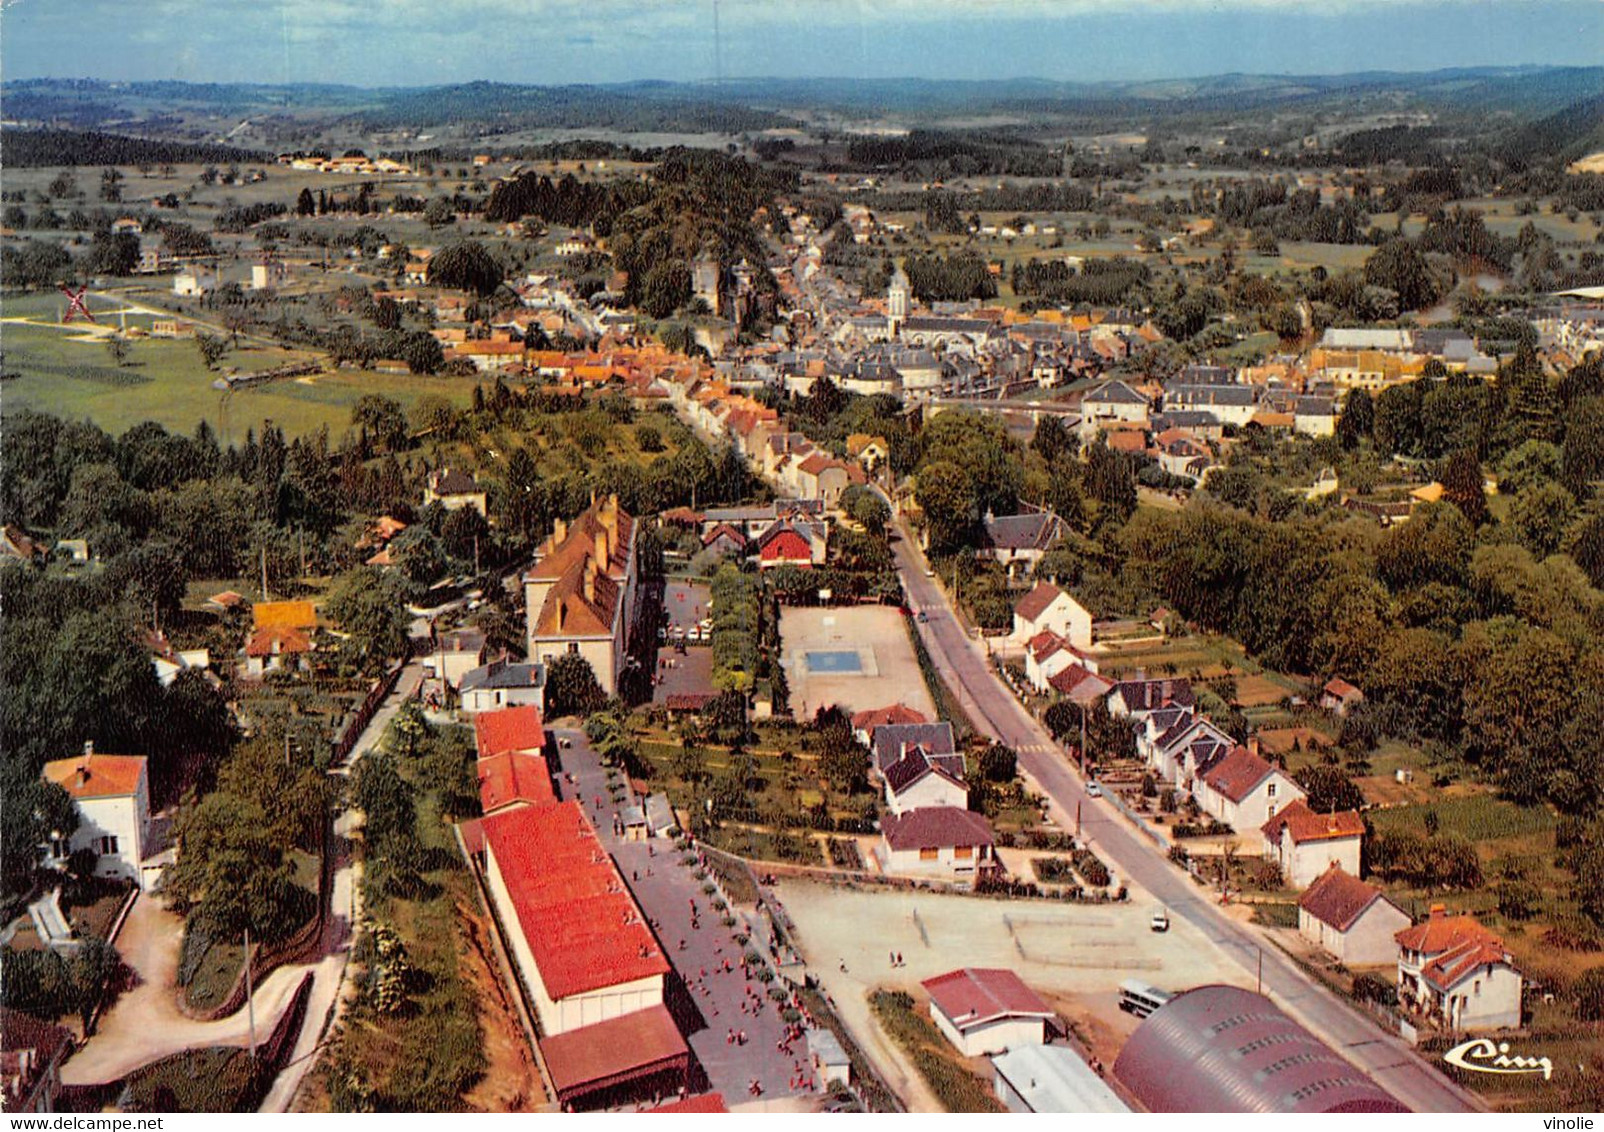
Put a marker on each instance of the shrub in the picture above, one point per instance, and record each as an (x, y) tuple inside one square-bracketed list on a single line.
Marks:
[(1589, 993), (1091, 867), (1518, 899), (1369, 988)]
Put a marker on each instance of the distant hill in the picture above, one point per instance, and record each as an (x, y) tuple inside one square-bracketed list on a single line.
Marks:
[(1574, 132)]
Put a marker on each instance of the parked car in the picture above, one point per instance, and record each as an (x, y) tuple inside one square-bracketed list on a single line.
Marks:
[(1093, 790), (923, 617), (1160, 921)]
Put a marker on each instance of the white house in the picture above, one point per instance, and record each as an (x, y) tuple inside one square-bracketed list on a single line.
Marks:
[(940, 841), (1305, 844), (112, 794), (503, 684), (456, 653), (1457, 974), (1244, 791), (986, 1010), (919, 779), (1046, 607), (1047, 654), (1350, 920), (1113, 401)]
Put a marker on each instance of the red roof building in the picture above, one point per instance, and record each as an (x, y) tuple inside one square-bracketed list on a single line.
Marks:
[(514, 779), (785, 548), (936, 840), (580, 941), (515, 729), (618, 1060), (985, 1010)]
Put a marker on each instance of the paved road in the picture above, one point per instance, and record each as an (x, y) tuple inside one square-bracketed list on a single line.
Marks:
[(995, 711)]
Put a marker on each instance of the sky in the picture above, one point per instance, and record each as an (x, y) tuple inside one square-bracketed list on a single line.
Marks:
[(424, 42)]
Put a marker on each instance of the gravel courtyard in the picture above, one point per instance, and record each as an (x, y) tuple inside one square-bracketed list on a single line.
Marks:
[(888, 670)]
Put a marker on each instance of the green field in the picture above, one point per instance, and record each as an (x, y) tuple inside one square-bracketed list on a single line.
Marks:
[(56, 372), (1480, 818)]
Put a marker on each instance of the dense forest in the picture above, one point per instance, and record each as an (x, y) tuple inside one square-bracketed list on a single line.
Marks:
[(35, 148)]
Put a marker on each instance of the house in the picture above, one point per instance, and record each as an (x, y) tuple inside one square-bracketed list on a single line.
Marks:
[(517, 730), (936, 840), (1047, 654), (1046, 607), (1140, 696), (986, 1010), (1306, 844), (1019, 542), (1314, 416), (112, 796), (579, 942), (1179, 744), (871, 452), (865, 723), (456, 652), (830, 1062), (1349, 919), (581, 596), (503, 684), (783, 545), (282, 636), (453, 490), (893, 740), (226, 603), (1457, 974), (1053, 1078), (724, 541), (1114, 401), (920, 779), (1340, 697), (1244, 791), (1080, 685), (31, 1053), (194, 283)]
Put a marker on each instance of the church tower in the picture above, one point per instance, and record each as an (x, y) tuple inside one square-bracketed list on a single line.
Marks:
[(897, 300)]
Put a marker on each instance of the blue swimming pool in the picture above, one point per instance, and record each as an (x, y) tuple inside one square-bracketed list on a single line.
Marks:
[(842, 662)]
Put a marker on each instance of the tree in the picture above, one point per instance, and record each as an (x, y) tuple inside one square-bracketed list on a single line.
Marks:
[(947, 498), (113, 253), (304, 204), (1399, 267), (1540, 515), (117, 346), (667, 287), (1464, 487), (369, 604), (437, 214), (212, 348), (382, 418), (572, 687), (998, 763), (1589, 994), (1328, 788), (1358, 420), (466, 266), (648, 437)]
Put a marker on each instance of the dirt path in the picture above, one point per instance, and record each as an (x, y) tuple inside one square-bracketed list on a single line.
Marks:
[(145, 1024), (511, 1082)]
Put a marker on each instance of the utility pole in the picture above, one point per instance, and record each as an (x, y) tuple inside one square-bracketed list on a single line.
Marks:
[(1082, 741), (250, 996)]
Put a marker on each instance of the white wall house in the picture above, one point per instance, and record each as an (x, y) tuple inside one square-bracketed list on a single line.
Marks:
[(983, 1011), (1350, 920), (936, 841), (1457, 974), (1244, 791), (1046, 607), (112, 794), (1305, 844)]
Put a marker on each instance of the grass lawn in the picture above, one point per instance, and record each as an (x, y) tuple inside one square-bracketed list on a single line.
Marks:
[(1480, 818), (56, 372), (215, 976), (219, 1079)]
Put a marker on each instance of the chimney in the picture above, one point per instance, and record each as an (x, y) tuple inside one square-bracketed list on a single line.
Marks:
[(83, 774), (1439, 911), (89, 747), (1253, 744), (559, 531), (601, 548)]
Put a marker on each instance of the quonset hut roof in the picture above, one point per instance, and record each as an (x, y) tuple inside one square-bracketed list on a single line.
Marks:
[(1223, 1049)]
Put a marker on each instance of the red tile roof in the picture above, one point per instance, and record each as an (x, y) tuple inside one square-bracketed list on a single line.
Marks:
[(974, 996), (1238, 774), (611, 1052), (583, 928), (510, 729), (1341, 689), (513, 778), (105, 776), (1454, 966), (1338, 899), (935, 827), (1305, 825), (1441, 932), (787, 546), (878, 717), (275, 640), (1035, 603), (1080, 684)]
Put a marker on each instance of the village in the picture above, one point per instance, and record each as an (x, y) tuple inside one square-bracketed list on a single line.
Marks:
[(504, 623)]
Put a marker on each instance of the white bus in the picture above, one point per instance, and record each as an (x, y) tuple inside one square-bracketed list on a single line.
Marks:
[(1140, 999)]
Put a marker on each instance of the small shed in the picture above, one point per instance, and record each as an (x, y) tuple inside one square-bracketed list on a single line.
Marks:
[(829, 1059)]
